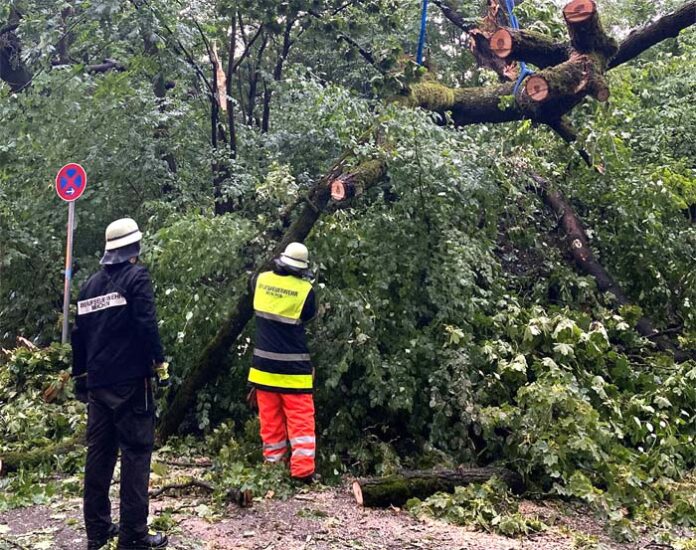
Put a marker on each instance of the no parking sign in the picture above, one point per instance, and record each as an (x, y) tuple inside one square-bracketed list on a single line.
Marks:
[(71, 182)]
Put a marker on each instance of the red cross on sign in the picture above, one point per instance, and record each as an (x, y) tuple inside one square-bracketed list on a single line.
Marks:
[(71, 182)]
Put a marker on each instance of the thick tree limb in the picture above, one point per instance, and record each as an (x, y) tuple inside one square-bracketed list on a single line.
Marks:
[(396, 489), (213, 361), (585, 29), (645, 37), (586, 262), (529, 46), (555, 91)]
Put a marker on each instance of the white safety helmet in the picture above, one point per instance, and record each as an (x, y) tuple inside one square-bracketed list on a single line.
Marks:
[(122, 233), (295, 255)]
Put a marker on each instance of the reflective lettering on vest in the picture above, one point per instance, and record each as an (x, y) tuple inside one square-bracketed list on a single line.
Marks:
[(280, 298), (99, 303)]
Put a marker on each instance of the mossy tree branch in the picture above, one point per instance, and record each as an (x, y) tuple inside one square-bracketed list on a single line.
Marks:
[(529, 46)]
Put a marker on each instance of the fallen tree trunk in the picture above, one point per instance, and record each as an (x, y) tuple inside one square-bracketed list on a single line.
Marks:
[(396, 489), (12, 461), (214, 358)]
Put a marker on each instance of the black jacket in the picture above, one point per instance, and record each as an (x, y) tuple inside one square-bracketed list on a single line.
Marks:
[(115, 338)]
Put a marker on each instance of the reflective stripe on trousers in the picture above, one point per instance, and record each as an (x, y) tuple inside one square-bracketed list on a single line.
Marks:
[(283, 416)]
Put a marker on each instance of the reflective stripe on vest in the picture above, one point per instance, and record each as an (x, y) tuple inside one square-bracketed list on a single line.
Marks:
[(273, 380), (281, 356), (280, 298)]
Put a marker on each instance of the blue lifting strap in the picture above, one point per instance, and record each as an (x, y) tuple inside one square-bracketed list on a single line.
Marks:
[(421, 38), (515, 24)]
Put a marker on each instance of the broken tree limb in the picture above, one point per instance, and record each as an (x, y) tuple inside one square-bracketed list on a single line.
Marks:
[(12, 461), (243, 499), (213, 360), (643, 38), (586, 262), (585, 29), (397, 489), (529, 46)]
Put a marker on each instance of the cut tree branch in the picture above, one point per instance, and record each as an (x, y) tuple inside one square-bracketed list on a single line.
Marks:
[(12, 461), (585, 29), (397, 489), (529, 46)]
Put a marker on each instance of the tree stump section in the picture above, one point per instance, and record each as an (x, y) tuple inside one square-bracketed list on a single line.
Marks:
[(397, 489), (585, 29)]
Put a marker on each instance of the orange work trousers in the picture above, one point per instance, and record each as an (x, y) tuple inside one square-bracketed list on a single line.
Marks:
[(288, 418)]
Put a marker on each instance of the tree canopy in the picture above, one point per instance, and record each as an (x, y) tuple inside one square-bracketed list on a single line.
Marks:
[(508, 278)]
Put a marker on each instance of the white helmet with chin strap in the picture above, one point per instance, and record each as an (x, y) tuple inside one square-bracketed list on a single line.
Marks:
[(295, 255), (122, 242), (122, 233)]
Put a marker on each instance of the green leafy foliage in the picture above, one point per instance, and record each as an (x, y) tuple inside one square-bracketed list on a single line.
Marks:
[(488, 506), (452, 329)]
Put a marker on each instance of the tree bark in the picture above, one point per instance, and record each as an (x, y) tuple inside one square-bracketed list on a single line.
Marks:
[(230, 74), (587, 263), (254, 76), (277, 74), (529, 46), (213, 360), (397, 489), (585, 29), (12, 461), (12, 69), (647, 36)]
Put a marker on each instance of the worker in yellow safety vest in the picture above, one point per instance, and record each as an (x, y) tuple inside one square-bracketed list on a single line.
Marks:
[(281, 375)]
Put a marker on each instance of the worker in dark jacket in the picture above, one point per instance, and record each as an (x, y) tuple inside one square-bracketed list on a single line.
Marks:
[(282, 376), (116, 351)]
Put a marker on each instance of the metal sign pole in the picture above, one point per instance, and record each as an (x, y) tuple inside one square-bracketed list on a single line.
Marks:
[(68, 270)]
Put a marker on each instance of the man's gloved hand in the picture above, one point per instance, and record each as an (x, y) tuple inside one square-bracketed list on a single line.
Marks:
[(251, 400), (162, 373)]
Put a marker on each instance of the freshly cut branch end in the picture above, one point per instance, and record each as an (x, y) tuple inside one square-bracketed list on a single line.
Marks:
[(585, 29), (501, 43), (342, 189), (537, 88), (357, 492), (578, 11)]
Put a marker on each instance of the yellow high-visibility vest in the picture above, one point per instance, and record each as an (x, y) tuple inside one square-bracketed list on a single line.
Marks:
[(281, 299)]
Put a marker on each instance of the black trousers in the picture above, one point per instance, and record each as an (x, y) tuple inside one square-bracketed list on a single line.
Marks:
[(119, 417)]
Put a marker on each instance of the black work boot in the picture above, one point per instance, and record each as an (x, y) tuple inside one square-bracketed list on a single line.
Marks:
[(158, 540), (96, 544)]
